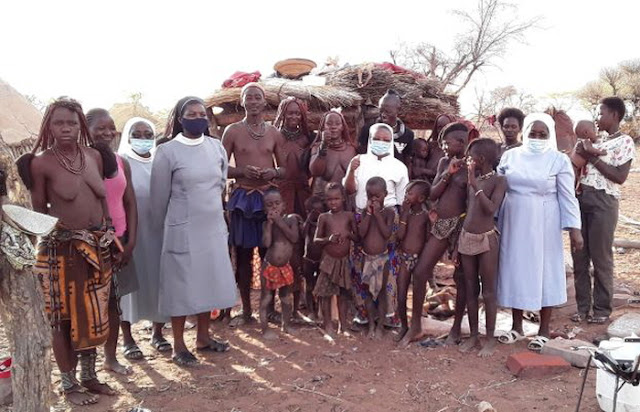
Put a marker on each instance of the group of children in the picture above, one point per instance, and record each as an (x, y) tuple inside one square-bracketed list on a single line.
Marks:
[(455, 214)]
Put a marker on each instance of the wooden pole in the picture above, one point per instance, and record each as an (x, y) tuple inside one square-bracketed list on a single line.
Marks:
[(22, 314), (626, 243)]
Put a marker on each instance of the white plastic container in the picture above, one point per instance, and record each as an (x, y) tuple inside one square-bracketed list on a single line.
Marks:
[(629, 396)]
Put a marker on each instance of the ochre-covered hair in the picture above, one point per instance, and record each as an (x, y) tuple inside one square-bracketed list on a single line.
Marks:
[(282, 109), (346, 136), (45, 137)]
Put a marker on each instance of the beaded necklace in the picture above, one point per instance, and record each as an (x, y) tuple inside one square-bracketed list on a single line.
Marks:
[(487, 175), (256, 135), (68, 163)]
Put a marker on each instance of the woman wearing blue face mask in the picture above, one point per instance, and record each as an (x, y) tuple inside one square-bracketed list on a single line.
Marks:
[(540, 203), (378, 161), (137, 144), (188, 179)]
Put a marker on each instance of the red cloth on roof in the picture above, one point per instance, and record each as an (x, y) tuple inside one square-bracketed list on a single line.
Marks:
[(239, 79), (395, 69)]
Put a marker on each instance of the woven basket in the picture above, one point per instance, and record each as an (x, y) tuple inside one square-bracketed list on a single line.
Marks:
[(294, 68), (28, 221)]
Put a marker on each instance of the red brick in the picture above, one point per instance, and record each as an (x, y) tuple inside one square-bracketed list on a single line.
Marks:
[(533, 365)]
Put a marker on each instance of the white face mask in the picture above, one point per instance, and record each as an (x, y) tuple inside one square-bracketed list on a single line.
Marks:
[(380, 147), (537, 145)]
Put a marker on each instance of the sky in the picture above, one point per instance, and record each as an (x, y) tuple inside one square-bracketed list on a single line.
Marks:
[(102, 52)]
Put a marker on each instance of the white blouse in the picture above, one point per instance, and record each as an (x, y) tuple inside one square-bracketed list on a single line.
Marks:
[(392, 170)]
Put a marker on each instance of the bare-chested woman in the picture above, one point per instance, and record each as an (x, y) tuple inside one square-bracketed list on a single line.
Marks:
[(74, 261), (291, 120), (331, 152), (256, 148)]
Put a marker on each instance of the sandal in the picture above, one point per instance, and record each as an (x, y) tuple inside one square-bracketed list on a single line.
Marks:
[(598, 320), (99, 388), (161, 344), (215, 346), (578, 317), (79, 395), (537, 343), (184, 359), (132, 352), (510, 337)]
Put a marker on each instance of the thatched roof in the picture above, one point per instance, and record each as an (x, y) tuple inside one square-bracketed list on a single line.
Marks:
[(422, 98), (121, 112)]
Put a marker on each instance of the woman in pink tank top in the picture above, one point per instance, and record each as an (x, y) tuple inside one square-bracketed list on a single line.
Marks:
[(121, 202)]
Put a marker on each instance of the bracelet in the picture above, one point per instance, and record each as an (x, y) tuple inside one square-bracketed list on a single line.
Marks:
[(403, 223), (478, 192), (278, 173), (596, 162)]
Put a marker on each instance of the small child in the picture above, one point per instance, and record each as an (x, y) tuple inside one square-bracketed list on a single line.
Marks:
[(374, 231), (586, 133), (312, 252), (479, 241), (418, 167), (412, 235), (280, 233), (336, 229)]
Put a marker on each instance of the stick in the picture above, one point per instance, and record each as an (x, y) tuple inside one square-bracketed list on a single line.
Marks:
[(633, 244), (324, 395)]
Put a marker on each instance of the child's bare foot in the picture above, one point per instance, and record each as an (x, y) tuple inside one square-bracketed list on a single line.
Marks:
[(372, 331), (410, 336), (489, 348), (401, 333), (453, 339), (269, 334), (117, 367), (470, 344)]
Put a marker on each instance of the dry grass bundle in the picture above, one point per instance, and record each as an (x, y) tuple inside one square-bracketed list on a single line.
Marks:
[(420, 97), (317, 97)]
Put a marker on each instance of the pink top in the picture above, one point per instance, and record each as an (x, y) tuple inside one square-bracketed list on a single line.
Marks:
[(115, 194)]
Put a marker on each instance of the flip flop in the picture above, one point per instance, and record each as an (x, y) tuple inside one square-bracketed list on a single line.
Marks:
[(184, 359), (537, 343), (510, 337), (215, 346), (161, 345), (132, 352), (598, 320)]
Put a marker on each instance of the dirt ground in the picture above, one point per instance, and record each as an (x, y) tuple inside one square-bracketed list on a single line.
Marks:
[(306, 373)]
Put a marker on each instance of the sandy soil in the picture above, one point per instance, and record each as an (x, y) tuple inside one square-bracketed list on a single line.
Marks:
[(307, 373)]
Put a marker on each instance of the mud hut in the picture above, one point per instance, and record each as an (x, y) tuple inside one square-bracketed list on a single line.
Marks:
[(423, 99)]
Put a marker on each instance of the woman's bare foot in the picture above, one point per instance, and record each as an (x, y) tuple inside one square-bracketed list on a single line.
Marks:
[(117, 367), (410, 336), (470, 344), (97, 387), (372, 331), (401, 333), (489, 348), (80, 396), (453, 339)]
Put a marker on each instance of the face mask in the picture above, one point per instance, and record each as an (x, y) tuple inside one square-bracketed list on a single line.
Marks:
[(537, 145), (380, 147), (141, 146), (195, 127)]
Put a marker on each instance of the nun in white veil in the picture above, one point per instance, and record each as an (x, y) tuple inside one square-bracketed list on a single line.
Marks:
[(539, 204), (137, 144)]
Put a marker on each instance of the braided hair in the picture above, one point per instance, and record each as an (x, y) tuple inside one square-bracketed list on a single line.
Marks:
[(45, 137), (282, 109), (346, 136)]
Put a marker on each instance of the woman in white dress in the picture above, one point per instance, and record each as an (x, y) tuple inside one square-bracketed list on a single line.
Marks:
[(540, 203)]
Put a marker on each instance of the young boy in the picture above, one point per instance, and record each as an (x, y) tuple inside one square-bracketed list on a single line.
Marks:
[(586, 133), (479, 240), (412, 235), (280, 233), (449, 192), (375, 230), (418, 167), (312, 252), (336, 229)]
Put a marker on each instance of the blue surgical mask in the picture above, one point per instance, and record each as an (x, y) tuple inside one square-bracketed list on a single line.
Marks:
[(537, 145), (380, 147), (195, 127), (141, 146)]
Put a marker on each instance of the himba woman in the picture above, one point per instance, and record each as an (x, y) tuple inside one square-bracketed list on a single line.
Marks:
[(331, 152), (121, 202), (291, 120), (74, 262)]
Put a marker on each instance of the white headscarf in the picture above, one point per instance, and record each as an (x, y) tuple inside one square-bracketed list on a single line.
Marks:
[(373, 129), (125, 146), (548, 121)]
